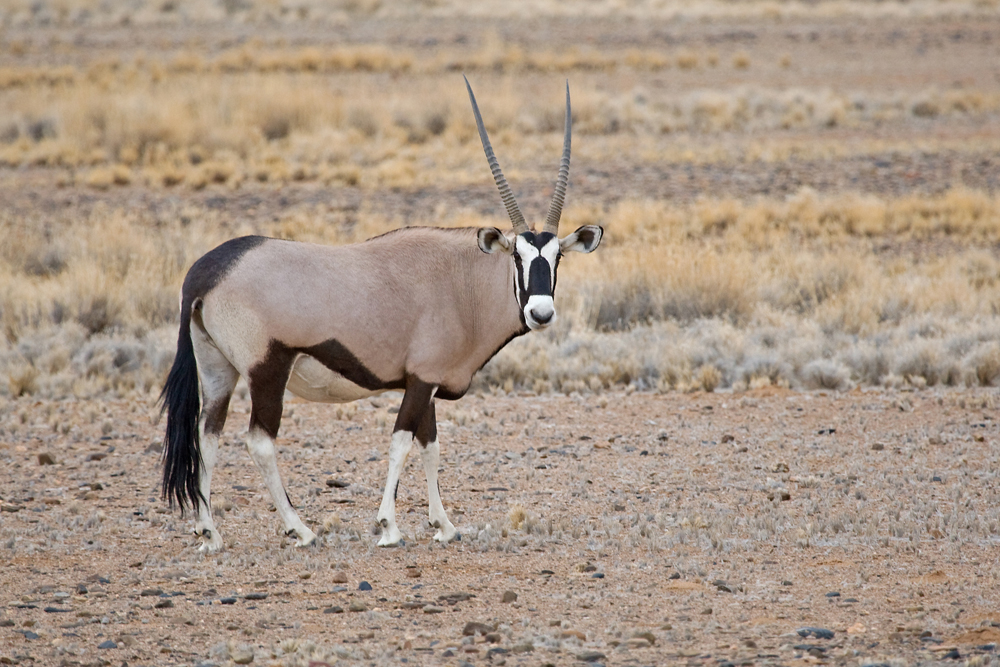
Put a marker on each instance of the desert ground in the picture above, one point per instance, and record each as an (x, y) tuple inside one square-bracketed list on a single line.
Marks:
[(763, 429)]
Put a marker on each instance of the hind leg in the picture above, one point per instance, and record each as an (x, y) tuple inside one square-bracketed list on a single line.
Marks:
[(217, 378), (267, 390)]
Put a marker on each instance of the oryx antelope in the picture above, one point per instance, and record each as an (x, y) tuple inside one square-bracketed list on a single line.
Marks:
[(419, 309)]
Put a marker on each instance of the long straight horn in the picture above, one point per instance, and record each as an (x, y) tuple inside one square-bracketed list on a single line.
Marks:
[(559, 196), (520, 226)]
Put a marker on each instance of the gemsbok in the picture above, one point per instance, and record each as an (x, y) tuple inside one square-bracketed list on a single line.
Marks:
[(419, 309)]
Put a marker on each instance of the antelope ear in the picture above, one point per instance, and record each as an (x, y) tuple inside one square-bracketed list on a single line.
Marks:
[(492, 239), (585, 239)]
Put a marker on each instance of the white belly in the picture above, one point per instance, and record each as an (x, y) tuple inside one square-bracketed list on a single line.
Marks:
[(313, 381)]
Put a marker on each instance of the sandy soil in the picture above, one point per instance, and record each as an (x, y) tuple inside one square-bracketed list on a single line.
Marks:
[(715, 526)]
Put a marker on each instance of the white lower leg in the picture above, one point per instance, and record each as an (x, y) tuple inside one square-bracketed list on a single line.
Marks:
[(262, 452), (211, 540), (431, 455), (402, 441)]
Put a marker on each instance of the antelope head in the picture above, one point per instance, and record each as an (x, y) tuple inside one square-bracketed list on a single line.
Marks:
[(535, 254)]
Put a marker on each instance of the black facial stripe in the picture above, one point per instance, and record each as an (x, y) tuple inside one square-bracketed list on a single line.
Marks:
[(540, 281)]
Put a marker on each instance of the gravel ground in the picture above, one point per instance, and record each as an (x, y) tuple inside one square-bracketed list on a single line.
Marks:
[(623, 528)]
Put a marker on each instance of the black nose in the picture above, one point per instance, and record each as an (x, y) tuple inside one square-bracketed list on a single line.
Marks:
[(544, 318)]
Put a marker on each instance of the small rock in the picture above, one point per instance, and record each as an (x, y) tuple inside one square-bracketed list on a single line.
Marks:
[(675, 575), (164, 604), (787, 583), (818, 633), (590, 656), (337, 483), (255, 596), (523, 647), (8, 507), (473, 628), (107, 644), (431, 609), (413, 572), (727, 438), (706, 612), (6, 623), (878, 447), (335, 609), (357, 606), (228, 601), (242, 655), (833, 594), (339, 578), (597, 575), (364, 586), (151, 592), (46, 459), (305, 575), (645, 634), (508, 597), (781, 467), (28, 634), (638, 642), (722, 586), (97, 456)]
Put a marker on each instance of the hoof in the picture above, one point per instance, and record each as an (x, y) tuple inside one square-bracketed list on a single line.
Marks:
[(211, 541), (447, 534), (391, 538), (303, 536)]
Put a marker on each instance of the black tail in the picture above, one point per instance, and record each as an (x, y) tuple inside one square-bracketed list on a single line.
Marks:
[(181, 401)]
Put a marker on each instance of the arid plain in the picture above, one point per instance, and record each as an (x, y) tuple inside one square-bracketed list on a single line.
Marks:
[(763, 430)]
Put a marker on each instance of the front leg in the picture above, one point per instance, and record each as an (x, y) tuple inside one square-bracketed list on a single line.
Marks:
[(431, 454), (417, 402), (402, 441)]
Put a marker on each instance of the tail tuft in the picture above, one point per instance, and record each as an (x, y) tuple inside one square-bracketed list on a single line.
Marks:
[(181, 401)]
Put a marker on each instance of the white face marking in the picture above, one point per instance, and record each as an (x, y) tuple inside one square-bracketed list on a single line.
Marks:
[(526, 252), (551, 253), (539, 306)]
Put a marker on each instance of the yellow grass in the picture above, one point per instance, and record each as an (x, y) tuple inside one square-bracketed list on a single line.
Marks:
[(809, 264)]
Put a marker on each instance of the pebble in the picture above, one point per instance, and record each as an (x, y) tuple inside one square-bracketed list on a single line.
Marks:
[(413, 572), (509, 596), (148, 592), (255, 596), (241, 656), (56, 610), (164, 604), (597, 575), (6, 623), (107, 644), (357, 606), (7, 507), (431, 609), (644, 634), (336, 609), (227, 601), (46, 459), (339, 578), (833, 594), (337, 483), (28, 634), (364, 586), (818, 633), (590, 656), (722, 586), (472, 628)]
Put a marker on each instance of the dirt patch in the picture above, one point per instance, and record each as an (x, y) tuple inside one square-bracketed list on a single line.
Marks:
[(668, 541)]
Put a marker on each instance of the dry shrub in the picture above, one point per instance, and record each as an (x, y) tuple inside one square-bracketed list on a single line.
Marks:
[(826, 374)]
